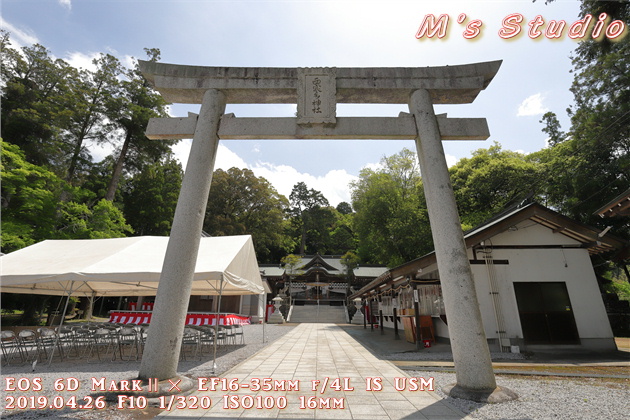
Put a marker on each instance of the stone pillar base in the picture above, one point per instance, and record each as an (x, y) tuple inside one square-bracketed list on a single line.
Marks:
[(492, 396), (276, 318)]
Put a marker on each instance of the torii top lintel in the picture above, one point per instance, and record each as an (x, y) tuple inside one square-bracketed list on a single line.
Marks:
[(448, 84)]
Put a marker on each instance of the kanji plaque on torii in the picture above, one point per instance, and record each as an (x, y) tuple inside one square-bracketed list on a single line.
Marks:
[(316, 91)]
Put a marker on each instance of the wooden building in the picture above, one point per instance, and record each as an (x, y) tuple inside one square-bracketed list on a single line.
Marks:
[(318, 278)]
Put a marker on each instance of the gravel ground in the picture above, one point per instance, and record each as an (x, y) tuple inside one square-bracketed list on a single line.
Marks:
[(546, 398), (540, 397), (422, 355), (227, 357)]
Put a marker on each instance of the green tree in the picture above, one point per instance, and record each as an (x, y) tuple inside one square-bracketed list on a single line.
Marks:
[(241, 203), (308, 216), (32, 209), (344, 208), (30, 195), (80, 221), (291, 262), (342, 236), (552, 129), (150, 198), (350, 261), (490, 181), (94, 107), (138, 103), (592, 165), (36, 103), (391, 220), (320, 222)]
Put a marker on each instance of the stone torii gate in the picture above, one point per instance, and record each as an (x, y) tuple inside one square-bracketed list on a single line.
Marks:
[(316, 92)]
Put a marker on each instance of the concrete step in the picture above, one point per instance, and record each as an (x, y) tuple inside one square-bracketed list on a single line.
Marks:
[(319, 314)]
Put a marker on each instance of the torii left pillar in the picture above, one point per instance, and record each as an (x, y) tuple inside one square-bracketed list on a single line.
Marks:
[(161, 356)]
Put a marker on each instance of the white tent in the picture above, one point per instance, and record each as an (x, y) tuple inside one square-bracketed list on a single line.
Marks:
[(127, 267)]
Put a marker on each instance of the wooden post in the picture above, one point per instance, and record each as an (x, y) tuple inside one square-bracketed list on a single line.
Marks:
[(364, 304), (416, 311), (371, 318), (396, 336)]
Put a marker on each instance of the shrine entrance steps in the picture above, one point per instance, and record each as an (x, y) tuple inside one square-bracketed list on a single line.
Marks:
[(318, 314)]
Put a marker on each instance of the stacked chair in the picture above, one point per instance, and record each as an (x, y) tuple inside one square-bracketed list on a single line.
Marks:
[(107, 341)]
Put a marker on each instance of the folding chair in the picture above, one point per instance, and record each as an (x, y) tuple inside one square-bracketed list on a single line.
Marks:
[(221, 335), (68, 342), (82, 336), (190, 339), (29, 345), (11, 347), (237, 330), (48, 342), (230, 337), (103, 338), (206, 337), (128, 339), (141, 332)]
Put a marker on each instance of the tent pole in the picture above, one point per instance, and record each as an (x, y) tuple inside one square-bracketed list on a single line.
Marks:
[(100, 311), (63, 316), (216, 329), (91, 308), (264, 295)]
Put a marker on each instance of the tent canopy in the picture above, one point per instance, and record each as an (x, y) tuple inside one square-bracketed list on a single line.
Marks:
[(127, 267)]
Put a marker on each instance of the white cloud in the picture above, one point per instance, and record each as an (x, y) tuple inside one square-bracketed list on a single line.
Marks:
[(80, 60), (374, 166), (334, 185), (66, 3), (451, 160), (19, 37), (225, 159), (128, 61), (100, 151), (181, 151), (282, 177), (531, 106)]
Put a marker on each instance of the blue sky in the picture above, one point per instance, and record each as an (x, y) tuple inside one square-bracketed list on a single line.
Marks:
[(534, 77)]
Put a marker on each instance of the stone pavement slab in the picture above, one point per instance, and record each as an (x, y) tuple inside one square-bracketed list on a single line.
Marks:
[(315, 371)]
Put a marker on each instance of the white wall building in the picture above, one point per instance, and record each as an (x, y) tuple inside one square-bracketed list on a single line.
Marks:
[(534, 281)]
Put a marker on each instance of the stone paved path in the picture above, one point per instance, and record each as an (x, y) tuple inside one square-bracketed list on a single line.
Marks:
[(305, 355)]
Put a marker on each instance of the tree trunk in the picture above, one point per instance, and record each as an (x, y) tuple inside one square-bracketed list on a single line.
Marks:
[(113, 183), (79, 143), (303, 239), (73, 161)]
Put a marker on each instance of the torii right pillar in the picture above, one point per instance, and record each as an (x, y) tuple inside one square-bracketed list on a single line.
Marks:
[(473, 365)]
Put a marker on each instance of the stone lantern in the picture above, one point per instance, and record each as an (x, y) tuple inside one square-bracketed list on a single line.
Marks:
[(276, 317), (357, 318)]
